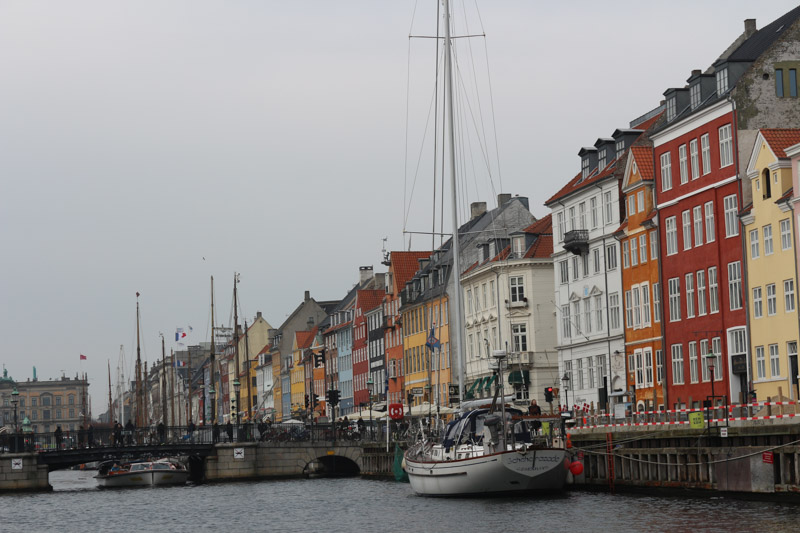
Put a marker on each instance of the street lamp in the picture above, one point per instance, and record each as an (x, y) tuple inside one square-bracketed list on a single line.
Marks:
[(710, 361), (369, 388), (565, 381), (14, 400)]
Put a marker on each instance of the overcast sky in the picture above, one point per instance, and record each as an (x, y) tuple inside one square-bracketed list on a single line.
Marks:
[(146, 146)]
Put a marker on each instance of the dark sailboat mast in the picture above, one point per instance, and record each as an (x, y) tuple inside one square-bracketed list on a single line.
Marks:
[(139, 395)]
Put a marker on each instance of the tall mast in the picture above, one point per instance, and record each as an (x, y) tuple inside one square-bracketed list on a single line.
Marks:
[(189, 394), (236, 346), (110, 399), (456, 312), (211, 359), (139, 399), (247, 365), (164, 384), (173, 403)]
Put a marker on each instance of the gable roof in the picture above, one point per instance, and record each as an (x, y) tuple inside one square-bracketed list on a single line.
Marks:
[(758, 43), (369, 299), (781, 139), (644, 161), (405, 265), (305, 338)]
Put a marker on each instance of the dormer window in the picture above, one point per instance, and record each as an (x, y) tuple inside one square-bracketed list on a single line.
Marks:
[(492, 250), (584, 167), (620, 148), (601, 164), (519, 244), (694, 95), (671, 108), (722, 81)]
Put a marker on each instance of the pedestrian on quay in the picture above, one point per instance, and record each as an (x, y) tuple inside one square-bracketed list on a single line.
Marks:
[(229, 431), (129, 432), (215, 433), (162, 432), (191, 431), (59, 435), (534, 409), (117, 433)]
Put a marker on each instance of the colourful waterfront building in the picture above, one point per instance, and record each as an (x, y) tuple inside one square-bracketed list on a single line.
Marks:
[(367, 301), (299, 370), (771, 265), (402, 267), (638, 236), (710, 125), (793, 154)]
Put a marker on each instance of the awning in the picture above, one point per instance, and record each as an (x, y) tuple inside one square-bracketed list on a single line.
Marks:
[(475, 385), (519, 376), (489, 381)]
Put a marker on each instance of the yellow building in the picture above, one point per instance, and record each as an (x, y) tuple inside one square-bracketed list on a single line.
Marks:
[(770, 262), (302, 341)]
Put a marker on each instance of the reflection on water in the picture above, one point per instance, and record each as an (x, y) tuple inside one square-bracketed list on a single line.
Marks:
[(355, 504)]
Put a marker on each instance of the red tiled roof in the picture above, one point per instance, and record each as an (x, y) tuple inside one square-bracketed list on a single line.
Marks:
[(651, 215), (644, 160), (576, 183), (780, 139), (305, 338), (405, 265), (503, 254), (622, 227), (543, 247), (471, 267), (369, 299), (543, 225), (265, 349)]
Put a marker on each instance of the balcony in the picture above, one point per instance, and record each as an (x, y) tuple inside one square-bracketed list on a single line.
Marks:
[(577, 241)]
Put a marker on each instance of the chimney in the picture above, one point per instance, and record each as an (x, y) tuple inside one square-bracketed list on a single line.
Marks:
[(502, 199), (749, 28), (258, 315), (364, 273), (477, 209), (696, 72), (524, 201), (307, 296)]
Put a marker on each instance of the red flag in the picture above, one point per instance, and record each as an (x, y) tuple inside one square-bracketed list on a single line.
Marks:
[(83, 357)]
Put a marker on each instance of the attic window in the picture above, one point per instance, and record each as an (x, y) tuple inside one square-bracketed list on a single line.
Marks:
[(671, 108), (620, 147), (722, 81), (518, 245), (584, 167), (694, 95), (602, 162)]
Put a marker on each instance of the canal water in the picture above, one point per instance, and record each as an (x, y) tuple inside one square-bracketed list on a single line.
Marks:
[(365, 505)]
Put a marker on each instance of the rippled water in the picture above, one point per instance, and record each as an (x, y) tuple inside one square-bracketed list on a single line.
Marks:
[(354, 504)]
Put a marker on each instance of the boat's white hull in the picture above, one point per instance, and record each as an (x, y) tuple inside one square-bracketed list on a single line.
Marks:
[(511, 471), (145, 478)]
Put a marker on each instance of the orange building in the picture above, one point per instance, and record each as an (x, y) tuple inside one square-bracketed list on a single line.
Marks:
[(638, 236)]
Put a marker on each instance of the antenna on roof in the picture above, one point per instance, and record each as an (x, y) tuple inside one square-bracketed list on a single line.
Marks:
[(385, 253)]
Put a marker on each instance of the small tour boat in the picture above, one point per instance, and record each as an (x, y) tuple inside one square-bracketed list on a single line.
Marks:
[(142, 473)]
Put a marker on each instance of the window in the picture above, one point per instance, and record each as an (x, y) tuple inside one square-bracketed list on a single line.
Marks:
[(469, 301), (608, 205), (579, 383), (758, 305), (596, 260), (620, 146), (706, 148), (601, 164), (693, 362), (677, 364), (689, 295), (519, 332), (754, 251), (793, 82), (562, 226), (671, 108), (584, 167), (725, 146), (576, 315), (697, 215), (517, 289), (653, 245), (687, 230), (574, 267), (695, 162), (779, 82), (694, 95), (786, 237), (709, 221), (582, 214), (735, 284), (585, 261), (566, 329), (593, 210), (598, 311), (631, 205), (637, 308), (640, 200), (701, 293), (628, 310), (774, 361), (639, 366), (587, 314), (683, 164), (648, 367), (611, 257), (713, 291), (656, 303), (573, 224), (722, 81), (613, 315), (645, 299), (731, 225), (564, 271), (672, 235), (643, 248), (634, 252), (659, 366), (772, 300), (768, 249), (788, 295), (761, 363), (625, 260), (674, 299), (666, 172), (568, 370)]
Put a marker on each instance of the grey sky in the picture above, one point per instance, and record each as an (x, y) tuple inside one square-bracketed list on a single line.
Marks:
[(137, 138)]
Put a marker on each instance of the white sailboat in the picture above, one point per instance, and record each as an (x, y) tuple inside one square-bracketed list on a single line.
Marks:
[(486, 450)]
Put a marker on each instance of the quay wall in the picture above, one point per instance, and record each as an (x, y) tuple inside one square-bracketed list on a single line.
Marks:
[(760, 459), (21, 471)]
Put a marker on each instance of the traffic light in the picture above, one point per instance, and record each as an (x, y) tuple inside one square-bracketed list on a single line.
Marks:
[(307, 402), (334, 397), (319, 359), (548, 394), (233, 405)]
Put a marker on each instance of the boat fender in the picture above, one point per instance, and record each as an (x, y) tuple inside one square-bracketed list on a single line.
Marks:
[(576, 468)]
